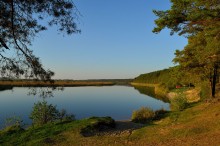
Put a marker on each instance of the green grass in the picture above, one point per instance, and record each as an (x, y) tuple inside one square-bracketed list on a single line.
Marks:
[(43, 135), (181, 90)]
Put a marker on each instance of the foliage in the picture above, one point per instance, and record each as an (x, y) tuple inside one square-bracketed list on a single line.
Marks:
[(188, 17), (20, 22), (153, 77), (199, 60), (143, 115), (179, 102), (199, 21), (44, 113), (167, 78)]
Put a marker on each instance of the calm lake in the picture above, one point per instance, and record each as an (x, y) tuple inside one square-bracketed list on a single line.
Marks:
[(115, 101)]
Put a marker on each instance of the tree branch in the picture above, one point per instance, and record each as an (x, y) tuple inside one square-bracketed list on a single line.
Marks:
[(13, 31), (3, 44)]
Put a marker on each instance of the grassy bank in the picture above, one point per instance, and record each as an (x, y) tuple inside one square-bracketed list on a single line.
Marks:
[(197, 125)]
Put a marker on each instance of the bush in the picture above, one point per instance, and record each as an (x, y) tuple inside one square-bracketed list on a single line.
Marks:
[(143, 115), (44, 113), (179, 102)]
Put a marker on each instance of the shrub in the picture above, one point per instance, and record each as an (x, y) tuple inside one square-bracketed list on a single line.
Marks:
[(44, 113), (143, 115), (179, 102)]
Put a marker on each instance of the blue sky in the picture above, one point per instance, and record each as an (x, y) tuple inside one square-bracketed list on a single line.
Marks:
[(116, 42)]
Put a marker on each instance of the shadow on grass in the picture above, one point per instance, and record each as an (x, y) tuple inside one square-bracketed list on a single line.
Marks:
[(121, 127), (107, 126)]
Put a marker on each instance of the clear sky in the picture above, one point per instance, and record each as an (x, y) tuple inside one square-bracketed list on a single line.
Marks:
[(116, 42)]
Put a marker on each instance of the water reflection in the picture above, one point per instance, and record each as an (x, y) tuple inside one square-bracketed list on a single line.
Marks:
[(150, 91), (3, 88)]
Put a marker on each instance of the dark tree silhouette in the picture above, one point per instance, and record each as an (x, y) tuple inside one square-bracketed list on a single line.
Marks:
[(20, 22)]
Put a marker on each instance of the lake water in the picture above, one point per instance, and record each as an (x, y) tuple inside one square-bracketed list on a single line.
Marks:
[(115, 101)]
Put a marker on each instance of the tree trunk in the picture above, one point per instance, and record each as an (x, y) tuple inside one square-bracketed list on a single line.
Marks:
[(214, 79)]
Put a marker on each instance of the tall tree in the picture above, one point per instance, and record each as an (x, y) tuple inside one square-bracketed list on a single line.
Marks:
[(199, 21), (188, 16), (20, 22)]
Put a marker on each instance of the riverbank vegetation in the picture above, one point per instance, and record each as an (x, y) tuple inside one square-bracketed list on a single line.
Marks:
[(146, 115)]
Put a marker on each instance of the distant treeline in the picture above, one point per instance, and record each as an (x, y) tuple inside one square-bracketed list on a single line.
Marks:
[(156, 77), (168, 77)]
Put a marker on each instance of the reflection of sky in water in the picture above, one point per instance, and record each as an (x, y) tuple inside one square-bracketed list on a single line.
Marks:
[(115, 101)]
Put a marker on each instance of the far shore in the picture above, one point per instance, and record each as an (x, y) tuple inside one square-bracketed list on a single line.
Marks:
[(62, 83)]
